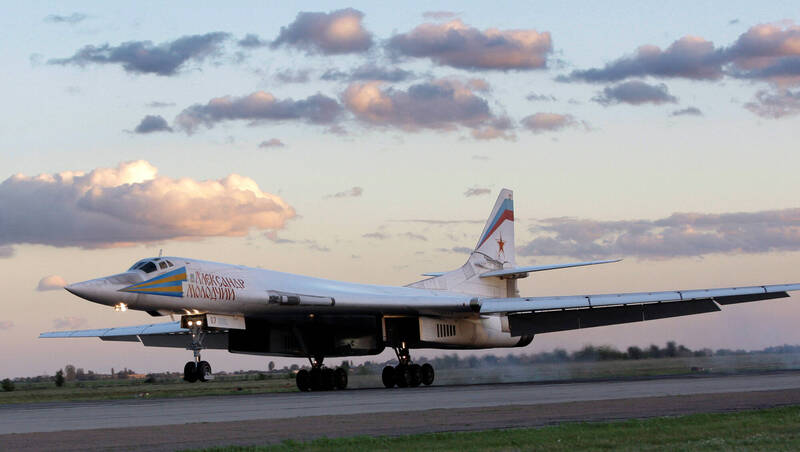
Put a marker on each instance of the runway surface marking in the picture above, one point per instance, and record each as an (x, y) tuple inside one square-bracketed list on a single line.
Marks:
[(140, 413)]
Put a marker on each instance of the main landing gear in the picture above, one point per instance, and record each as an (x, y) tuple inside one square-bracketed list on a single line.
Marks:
[(321, 378), (197, 370), (406, 374)]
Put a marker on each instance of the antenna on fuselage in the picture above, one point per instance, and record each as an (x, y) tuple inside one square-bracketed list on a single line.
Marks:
[(161, 252)]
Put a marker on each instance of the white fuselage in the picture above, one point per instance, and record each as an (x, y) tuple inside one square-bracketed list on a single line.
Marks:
[(211, 287)]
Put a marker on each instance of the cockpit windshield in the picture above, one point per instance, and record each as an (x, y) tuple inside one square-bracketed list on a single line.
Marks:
[(151, 265), (148, 267), (137, 265)]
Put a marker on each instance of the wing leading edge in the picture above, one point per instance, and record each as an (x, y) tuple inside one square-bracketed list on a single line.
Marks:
[(549, 314), (168, 334), (124, 333)]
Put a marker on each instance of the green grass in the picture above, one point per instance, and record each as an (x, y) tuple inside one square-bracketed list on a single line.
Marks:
[(137, 389), (771, 429)]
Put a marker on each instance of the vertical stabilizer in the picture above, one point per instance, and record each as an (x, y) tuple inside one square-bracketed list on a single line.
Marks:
[(497, 239), (494, 251)]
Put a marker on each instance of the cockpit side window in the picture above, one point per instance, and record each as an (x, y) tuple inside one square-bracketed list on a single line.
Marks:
[(148, 267), (162, 265), (170, 264)]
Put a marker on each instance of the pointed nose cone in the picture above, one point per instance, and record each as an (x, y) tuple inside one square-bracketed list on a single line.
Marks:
[(100, 290), (84, 289), (106, 290)]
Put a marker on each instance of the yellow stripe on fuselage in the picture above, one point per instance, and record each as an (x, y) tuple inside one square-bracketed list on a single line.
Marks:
[(178, 277), (157, 289)]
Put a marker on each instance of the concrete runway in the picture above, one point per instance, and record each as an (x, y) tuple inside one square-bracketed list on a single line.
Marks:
[(73, 416)]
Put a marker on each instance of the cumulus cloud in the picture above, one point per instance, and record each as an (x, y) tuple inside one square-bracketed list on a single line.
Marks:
[(784, 72), (533, 97), (689, 57), (688, 111), (775, 104), (51, 282), (271, 143), (258, 107), (152, 123), (6, 252), (292, 76), (354, 192), (331, 33), (132, 204), (679, 235), (6, 324), (634, 92), (369, 71), (442, 104), (458, 45), (548, 122), (70, 323), (477, 191), (251, 41), (766, 52), (72, 19), (143, 57), (501, 127)]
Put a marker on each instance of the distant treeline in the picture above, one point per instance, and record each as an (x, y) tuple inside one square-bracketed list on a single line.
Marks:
[(589, 353), (597, 353), (451, 361)]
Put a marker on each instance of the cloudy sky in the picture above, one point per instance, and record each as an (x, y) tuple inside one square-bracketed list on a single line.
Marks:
[(367, 143)]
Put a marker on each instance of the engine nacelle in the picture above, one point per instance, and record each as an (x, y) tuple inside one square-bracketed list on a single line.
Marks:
[(477, 332)]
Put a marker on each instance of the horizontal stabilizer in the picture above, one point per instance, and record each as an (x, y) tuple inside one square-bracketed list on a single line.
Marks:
[(520, 271)]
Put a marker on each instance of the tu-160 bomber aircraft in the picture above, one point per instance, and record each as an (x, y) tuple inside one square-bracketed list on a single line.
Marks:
[(477, 306)]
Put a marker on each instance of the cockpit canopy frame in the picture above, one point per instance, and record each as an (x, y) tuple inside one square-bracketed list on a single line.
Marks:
[(150, 265)]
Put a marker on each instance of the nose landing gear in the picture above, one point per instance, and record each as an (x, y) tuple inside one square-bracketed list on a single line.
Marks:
[(197, 370), (406, 374)]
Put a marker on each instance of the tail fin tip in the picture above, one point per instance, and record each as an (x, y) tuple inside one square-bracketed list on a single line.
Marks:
[(497, 239)]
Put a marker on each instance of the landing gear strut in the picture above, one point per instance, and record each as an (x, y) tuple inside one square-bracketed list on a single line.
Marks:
[(321, 378), (406, 374), (197, 370)]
